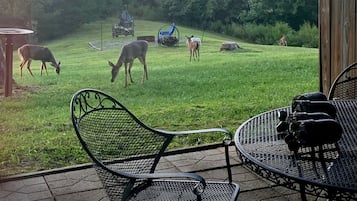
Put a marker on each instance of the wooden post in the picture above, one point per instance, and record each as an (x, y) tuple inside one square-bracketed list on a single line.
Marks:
[(8, 67), (338, 36)]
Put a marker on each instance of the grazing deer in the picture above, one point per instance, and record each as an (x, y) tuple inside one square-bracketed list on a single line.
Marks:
[(193, 47), (28, 52), (131, 51), (283, 41)]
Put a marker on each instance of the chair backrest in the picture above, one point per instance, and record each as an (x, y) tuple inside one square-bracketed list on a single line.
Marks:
[(116, 141), (345, 85)]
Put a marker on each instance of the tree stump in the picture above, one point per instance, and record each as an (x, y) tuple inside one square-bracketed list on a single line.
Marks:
[(229, 45)]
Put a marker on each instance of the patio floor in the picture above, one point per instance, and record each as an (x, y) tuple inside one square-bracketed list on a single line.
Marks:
[(80, 183)]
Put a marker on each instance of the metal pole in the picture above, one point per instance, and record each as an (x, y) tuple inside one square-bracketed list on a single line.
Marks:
[(101, 36), (8, 69)]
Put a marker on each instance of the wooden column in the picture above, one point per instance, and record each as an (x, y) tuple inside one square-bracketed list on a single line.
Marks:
[(8, 67), (338, 36)]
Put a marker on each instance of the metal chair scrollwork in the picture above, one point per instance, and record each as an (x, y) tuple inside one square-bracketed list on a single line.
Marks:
[(345, 85), (125, 153)]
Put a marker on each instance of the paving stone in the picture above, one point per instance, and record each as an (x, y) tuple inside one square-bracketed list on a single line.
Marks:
[(212, 152), (16, 197), (239, 170), (261, 194), (77, 186), (12, 185), (55, 177), (40, 196), (28, 189), (199, 166), (36, 180), (95, 195), (215, 175), (33, 188), (245, 177), (4, 194), (186, 156)]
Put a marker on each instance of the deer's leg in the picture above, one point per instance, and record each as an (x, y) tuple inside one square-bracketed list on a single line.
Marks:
[(126, 75), (28, 66), (129, 70), (21, 66), (45, 67), (143, 61), (41, 68), (190, 54), (198, 54)]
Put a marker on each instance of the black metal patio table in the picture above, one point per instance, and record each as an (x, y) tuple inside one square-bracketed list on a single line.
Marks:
[(333, 176)]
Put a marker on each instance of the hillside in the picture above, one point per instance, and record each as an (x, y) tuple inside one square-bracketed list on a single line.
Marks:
[(223, 89)]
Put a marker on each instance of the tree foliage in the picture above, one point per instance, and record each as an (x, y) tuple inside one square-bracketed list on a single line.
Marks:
[(55, 18), (293, 12), (204, 13)]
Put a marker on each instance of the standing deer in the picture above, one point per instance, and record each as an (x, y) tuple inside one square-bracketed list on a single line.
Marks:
[(283, 41), (193, 47), (28, 52), (131, 51)]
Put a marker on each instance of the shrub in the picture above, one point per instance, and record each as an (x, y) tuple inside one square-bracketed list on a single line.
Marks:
[(308, 35), (281, 29), (217, 26)]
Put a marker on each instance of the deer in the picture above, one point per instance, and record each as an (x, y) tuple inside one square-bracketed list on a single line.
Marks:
[(193, 47), (283, 41), (29, 52), (129, 52)]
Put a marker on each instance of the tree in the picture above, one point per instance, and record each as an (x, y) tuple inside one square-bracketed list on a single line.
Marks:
[(201, 13), (293, 12), (20, 9), (55, 18)]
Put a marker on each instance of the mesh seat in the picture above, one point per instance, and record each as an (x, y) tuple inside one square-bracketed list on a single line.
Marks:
[(345, 85), (125, 153)]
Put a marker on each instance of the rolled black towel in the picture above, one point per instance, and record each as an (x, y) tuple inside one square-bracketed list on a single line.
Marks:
[(314, 106), (318, 132)]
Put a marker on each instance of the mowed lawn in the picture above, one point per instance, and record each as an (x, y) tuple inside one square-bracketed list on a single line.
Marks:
[(223, 89)]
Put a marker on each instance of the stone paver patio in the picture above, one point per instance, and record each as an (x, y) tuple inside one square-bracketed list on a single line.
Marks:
[(81, 183)]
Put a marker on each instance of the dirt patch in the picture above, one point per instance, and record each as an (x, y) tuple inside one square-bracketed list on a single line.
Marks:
[(19, 90)]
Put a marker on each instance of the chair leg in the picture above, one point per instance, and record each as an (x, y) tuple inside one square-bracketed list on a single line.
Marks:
[(226, 150)]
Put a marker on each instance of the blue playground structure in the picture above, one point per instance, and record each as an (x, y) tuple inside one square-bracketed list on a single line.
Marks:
[(168, 37)]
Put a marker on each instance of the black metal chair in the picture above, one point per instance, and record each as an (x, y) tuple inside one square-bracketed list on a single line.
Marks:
[(345, 85), (126, 152)]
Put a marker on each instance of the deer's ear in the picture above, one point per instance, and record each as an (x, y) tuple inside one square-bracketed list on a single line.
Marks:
[(110, 64)]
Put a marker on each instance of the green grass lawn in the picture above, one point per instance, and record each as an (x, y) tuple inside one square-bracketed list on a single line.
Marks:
[(223, 89)]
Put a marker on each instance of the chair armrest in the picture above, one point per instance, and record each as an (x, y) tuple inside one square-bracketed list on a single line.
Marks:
[(226, 140)]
